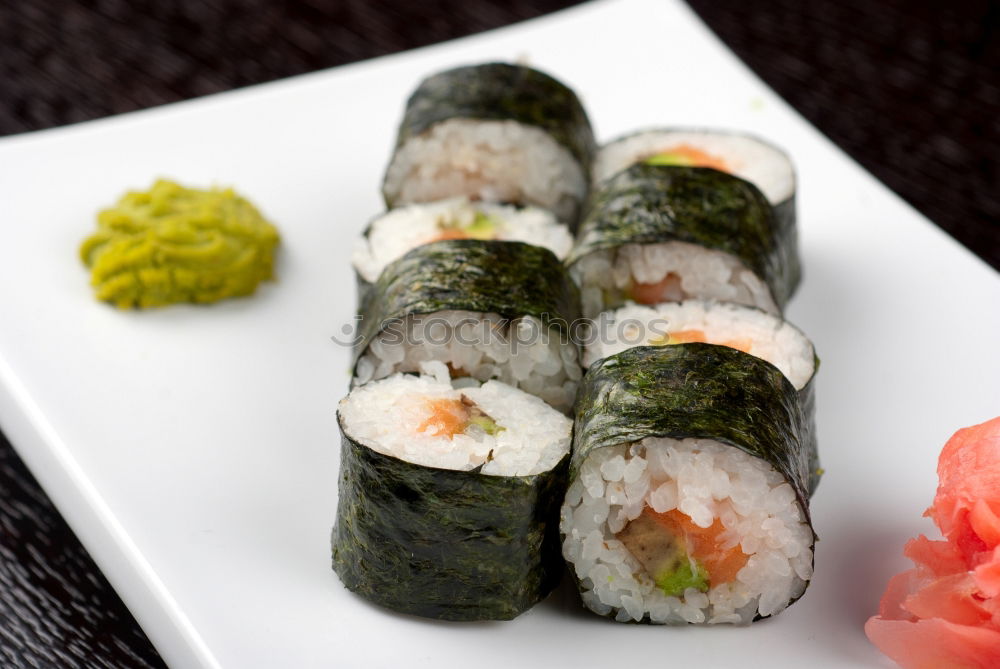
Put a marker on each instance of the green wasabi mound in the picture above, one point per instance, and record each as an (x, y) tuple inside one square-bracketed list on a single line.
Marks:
[(173, 244)]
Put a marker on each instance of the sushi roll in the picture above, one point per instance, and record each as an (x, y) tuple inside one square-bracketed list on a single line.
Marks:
[(487, 309), (747, 329), (395, 232), (689, 488), (656, 233), (764, 165), (493, 132), (449, 498), (744, 328)]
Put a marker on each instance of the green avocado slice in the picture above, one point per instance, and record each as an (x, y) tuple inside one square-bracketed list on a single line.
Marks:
[(670, 158), (483, 226)]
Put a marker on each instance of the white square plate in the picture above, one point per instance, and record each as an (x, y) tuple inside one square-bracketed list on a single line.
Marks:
[(194, 449)]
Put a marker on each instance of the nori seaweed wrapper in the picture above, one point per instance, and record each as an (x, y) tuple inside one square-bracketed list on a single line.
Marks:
[(501, 92), (810, 441), (700, 391), (648, 204), (438, 543), (512, 279), (363, 288)]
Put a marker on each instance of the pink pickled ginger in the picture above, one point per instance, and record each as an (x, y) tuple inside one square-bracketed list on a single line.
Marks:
[(945, 612)]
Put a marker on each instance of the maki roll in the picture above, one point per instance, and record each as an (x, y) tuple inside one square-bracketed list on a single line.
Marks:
[(744, 328), (449, 498), (493, 132), (657, 233), (487, 309), (688, 497), (759, 162), (395, 232)]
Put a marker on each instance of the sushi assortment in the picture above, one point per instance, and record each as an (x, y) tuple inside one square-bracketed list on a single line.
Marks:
[(455, 438), (573, 357)]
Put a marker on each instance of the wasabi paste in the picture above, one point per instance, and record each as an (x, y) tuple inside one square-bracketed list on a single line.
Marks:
[(173, 244)]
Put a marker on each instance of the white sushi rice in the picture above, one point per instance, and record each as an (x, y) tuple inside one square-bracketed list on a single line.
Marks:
[(493, 161), (706, 480), (770, 338), (519, 352), (749, 158), (386, 416), (605, 276), (399, 230)]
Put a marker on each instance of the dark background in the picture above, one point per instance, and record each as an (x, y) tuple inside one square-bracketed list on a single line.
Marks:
[(909, 88)]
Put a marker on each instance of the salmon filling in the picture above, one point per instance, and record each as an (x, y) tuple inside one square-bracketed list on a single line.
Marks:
[(450, 417), (677, 554), (698, 336)]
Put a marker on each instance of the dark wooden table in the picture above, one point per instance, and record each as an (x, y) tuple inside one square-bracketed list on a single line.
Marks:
[(910, 89)]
